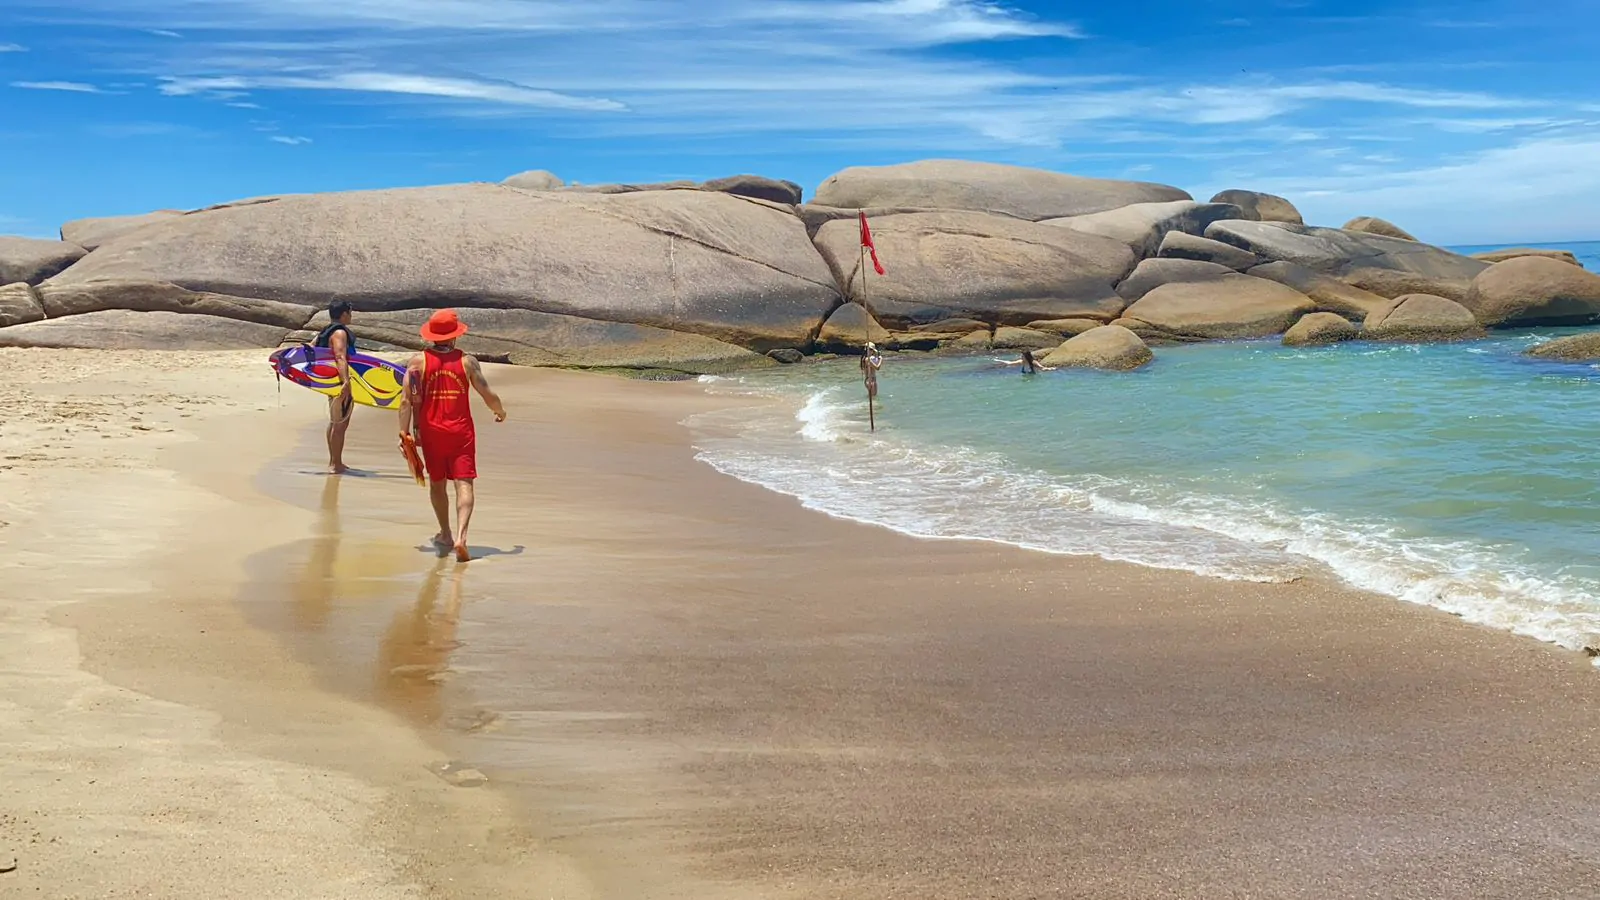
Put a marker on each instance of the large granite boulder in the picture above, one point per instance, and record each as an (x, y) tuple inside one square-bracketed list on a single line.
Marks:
[(1229, 306), (692, 261), (1329, 293), (1153, 273), (1494, 256), (67, 299), (679, 185), (1375, 225), (1033, 194), (1064, 328), (535, 180), (1320, 329), (758, 187), (32, 260), (1535, 290), (850, 327), (1422, 317), (992, 268), (1178, 245), (19, 303), (1259, 207), (529, 338), (91, 233), (1013, 338), (1387, 266), (1143, 226), (1575, 348), (121, 329), (1107, 347)]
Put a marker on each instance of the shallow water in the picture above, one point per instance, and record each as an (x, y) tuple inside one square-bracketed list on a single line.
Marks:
[(1460, 476)]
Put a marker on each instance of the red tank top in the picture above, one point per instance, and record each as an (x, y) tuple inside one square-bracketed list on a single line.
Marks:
[(446, 404)]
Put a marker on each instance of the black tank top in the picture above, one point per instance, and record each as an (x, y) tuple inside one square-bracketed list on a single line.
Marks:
[(325, 337)]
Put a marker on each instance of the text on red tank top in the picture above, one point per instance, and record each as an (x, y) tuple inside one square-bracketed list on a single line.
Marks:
[(446, 400)]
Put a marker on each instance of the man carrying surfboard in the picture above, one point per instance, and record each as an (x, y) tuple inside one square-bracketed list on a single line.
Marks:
[(436, 402), (338, 338)]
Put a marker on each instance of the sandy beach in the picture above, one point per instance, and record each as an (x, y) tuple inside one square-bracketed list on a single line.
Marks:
[(227, 676)]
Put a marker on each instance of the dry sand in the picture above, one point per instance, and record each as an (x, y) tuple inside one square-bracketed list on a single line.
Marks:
[(690, 687)]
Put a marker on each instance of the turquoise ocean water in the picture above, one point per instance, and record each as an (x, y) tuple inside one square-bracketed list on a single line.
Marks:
[(1461, 476)]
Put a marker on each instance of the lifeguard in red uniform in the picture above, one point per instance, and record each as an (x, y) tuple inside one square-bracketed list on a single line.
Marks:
[(438, 405)]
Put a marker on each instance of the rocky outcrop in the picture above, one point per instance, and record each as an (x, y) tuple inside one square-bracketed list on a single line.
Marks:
[(31, 260), (953, 326), (850, 327), (704, 263), (1386, 266), (1575, 348), (975, 265), (1107, 347), (1422, 317), (1320, 329), (535, 180), (1328, 293), (1064, 328), (1178, 245), (1153, 273), (67, 299), (1143, 226), (1032, 194), (1374, 225), (1535, 290), (769, 189), (1259, 207), (529, 338), (1012, 338), (1495, 256), (1229, 306), (680, 185), (91, 233), (19, 303), (121, 329)]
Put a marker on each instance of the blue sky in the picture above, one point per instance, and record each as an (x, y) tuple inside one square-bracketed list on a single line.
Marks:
[(1467, 121)]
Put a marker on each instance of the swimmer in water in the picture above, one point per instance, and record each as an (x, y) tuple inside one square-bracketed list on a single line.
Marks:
[(1028, 363)]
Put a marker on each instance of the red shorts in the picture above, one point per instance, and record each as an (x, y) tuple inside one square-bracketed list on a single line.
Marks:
[(449, 457)]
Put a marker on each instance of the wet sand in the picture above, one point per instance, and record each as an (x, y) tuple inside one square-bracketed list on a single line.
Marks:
[(695, 688)]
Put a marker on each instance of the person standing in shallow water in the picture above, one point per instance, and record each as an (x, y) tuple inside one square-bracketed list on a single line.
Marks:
[(436, 402), (1029, 365), (338, 338), (871, 362)]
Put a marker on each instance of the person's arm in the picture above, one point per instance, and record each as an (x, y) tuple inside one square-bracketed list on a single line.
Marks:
[(1007, 362), (1044, 368), (475, 375), (407, 387), (339, 343)]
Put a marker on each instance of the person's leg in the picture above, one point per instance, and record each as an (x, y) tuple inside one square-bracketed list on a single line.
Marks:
[(439, 496), (338, 424), (465, 495)]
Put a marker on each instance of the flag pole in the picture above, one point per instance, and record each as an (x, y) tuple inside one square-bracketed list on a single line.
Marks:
[(866, 330)]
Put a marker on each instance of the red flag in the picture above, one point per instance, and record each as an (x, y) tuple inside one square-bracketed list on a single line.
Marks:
[(866, 241)]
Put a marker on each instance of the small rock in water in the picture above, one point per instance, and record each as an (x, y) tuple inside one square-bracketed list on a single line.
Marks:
[(459, 774)]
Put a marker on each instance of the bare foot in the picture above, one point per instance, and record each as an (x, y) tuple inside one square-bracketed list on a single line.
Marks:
[(443, 543), (338, 469), (461, 553)]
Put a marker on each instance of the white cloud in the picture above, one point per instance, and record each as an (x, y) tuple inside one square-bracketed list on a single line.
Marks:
[(76, 87), (390, 83), (13, 48), (162, 32), (291, 141)]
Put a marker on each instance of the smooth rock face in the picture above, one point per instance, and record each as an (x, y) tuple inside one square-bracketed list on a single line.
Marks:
[(528, 338), (1259, 207), (1329, 293), (61, 300), (1064, 328), (1142, 226), (1012, 338), (1494, 256), (850, 327), (1231, 306), (1178, 245), (995, 269), (1033, 194), (1107, 347), (786, 355), (681, 185), (1576, 348), (1422, 317), (1374, 225), (1535, 290), (1153, 273), (1386, 266), (30, 260), (535, 180), (770, 189), (129, 330), (692, 261), (91, 233), (19, 304), (1319, 329), (953, 326)]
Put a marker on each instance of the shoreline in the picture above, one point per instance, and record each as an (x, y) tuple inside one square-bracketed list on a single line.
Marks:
[(697, 687)]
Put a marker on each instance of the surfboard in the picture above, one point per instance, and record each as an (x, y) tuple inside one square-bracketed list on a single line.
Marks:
[(373, 382)]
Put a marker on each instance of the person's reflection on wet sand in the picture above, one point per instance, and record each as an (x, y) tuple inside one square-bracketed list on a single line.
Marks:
[(313, 590), (414, 654)]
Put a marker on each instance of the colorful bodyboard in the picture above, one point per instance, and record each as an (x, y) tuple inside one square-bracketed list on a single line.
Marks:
[(373, 382)]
